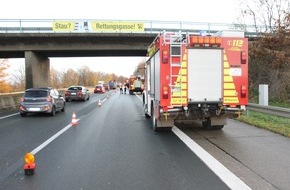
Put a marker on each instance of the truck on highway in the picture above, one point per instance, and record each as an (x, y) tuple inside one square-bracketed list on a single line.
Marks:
[(190, 78), (135, 84), (112, 84)]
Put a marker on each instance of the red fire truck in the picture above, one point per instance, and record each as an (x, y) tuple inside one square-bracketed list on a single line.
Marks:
[(191, 78)]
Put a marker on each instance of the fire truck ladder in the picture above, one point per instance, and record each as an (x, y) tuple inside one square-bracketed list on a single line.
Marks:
[(176, 42)]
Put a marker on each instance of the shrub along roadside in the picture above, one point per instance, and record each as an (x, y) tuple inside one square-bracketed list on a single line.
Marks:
[(273, 123)]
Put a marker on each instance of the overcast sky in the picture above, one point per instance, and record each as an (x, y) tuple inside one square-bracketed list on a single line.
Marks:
[(212, 11)]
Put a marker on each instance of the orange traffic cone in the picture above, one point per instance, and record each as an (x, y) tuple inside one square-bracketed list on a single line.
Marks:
[(99, 103), (74, 121), (107, 96)]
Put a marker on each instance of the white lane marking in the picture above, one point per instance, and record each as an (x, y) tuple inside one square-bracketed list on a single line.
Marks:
[(40, 147), (8, 116), (139, 98), (36, 150), (230, 179)]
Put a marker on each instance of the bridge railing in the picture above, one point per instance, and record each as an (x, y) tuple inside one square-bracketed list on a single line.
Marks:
[(46, 26)]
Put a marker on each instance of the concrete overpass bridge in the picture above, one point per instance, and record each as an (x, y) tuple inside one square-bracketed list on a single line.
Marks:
[(38, 40)]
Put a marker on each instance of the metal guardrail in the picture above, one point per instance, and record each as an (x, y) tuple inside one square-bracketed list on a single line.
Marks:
[(45, 26), (278, 111)]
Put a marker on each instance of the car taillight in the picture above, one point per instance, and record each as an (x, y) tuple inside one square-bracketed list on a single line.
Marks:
[(48, 99), (66, 93), (243, 91), (165, 92), (21, 99), (80, 93)]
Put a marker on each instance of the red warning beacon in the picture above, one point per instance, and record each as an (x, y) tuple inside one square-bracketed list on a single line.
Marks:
[(29, 165)]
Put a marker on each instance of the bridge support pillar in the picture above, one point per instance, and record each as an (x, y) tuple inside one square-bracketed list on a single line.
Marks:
[(37, 70)]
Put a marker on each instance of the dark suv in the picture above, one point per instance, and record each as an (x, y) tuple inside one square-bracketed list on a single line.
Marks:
[(41, 100), (77, 93)]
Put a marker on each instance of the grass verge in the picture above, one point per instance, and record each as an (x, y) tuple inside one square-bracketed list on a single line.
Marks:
[(273, 123)]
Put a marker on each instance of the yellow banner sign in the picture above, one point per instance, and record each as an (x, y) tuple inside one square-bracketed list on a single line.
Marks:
[(230, 100), (178, 100), (117, 26), (63, 26)]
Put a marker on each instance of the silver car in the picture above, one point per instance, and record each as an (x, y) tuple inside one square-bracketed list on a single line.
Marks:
[(41, 100)]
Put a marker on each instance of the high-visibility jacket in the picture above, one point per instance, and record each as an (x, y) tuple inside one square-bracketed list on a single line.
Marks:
[(137, 84)]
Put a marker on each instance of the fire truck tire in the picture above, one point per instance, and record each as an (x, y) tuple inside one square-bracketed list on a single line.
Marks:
[(146, 111), (154, 120)]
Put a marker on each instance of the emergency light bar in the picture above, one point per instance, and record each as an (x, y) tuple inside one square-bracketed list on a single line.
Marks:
[(200, 41)]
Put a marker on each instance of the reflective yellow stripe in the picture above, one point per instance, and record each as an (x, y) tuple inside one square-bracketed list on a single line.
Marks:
[(226, 64), (230, 93), (184, 86), (183, 79), (229, 86), (226, 71), (183, 71), (183, 93), (183, 63), (228, 79), (225, 57)]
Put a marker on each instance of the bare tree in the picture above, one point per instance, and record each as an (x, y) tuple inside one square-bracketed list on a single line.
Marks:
[(69, 78), (18, 78), (140, 69), (263, 14), (84, 73), (55, 78), (269, 61)]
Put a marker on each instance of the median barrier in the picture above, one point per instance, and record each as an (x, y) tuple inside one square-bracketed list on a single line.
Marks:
[(10, 102)]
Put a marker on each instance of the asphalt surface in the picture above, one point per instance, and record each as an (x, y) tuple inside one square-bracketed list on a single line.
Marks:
[(112, 147), (257, 156)]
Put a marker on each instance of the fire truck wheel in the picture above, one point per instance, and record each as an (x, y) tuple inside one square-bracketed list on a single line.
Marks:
[(147, 115), (146, 110)]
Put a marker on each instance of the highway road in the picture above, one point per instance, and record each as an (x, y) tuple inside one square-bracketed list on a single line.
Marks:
[(113, 147)]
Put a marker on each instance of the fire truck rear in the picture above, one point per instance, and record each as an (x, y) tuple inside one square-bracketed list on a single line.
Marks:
[(193, 78)]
